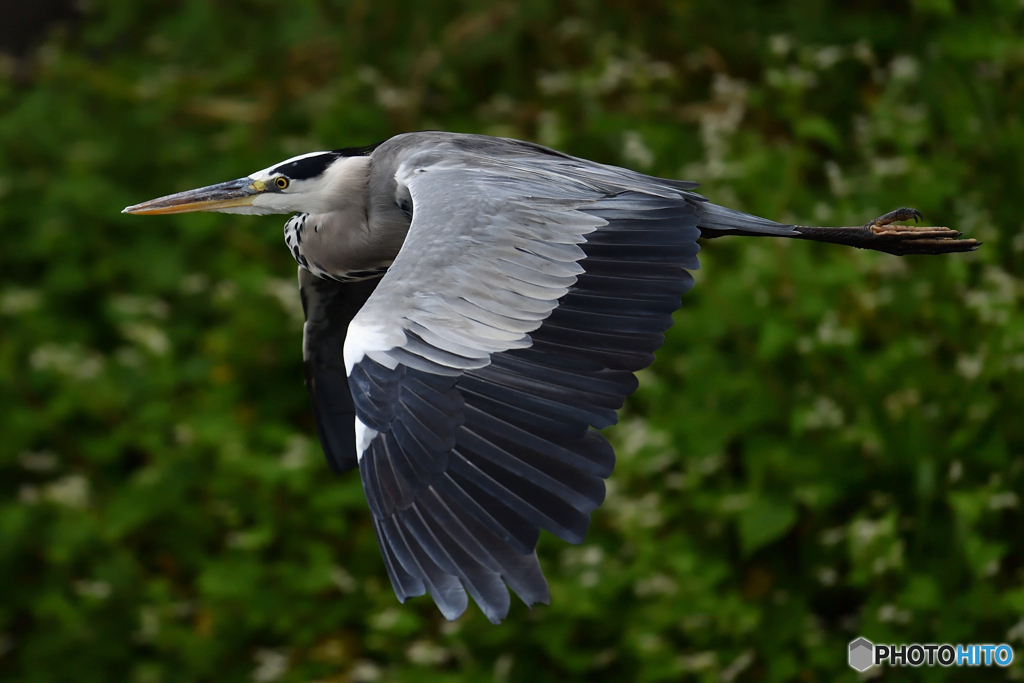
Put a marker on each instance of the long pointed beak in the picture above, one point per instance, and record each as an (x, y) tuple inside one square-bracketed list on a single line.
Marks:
[(217, 197)]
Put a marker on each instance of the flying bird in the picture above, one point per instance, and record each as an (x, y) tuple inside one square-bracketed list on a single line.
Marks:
[(476, 309)]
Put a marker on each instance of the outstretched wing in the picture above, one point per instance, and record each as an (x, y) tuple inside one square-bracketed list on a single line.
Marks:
[(329, 306), (528, 291)]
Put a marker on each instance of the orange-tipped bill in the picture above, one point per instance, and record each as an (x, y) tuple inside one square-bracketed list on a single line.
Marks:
[(220, 197)]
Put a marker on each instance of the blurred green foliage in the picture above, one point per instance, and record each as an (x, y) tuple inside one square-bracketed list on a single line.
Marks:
[(829, 445)]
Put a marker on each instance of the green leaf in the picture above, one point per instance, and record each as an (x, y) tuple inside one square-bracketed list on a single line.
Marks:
[(764, 521)]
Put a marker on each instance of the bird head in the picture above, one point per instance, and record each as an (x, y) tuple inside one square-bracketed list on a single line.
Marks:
[(313, 183)]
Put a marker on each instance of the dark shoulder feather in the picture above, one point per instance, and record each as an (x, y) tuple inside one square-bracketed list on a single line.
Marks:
[(329, 307)]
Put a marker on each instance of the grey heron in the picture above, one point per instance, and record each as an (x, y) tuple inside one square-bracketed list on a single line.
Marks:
[(475, 310)]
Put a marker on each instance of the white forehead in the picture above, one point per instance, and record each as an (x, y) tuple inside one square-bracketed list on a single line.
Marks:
[(271, 171)]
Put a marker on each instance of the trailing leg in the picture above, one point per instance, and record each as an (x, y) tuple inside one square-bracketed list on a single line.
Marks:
[(881, 234)]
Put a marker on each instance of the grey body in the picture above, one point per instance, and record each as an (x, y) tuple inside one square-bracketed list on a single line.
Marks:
[(475, 310)]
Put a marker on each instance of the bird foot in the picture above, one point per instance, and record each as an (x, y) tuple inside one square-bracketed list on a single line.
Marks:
[(902, 214), (883, 226), (915, 239), (881, 234)]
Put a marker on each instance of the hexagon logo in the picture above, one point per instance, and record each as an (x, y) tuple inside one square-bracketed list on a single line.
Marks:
[(862, 653)]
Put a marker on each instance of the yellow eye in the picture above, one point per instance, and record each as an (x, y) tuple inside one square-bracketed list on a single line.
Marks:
[(281, 183)]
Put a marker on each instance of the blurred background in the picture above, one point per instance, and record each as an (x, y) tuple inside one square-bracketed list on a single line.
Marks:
[(830, 444)]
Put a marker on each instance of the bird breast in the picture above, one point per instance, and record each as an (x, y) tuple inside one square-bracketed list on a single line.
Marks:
[(340, 245)]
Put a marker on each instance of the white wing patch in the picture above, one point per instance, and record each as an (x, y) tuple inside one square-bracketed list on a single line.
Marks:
[(370, 340), (364, 435)]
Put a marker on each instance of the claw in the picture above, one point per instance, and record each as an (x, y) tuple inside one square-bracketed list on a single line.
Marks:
[(901, 214)]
